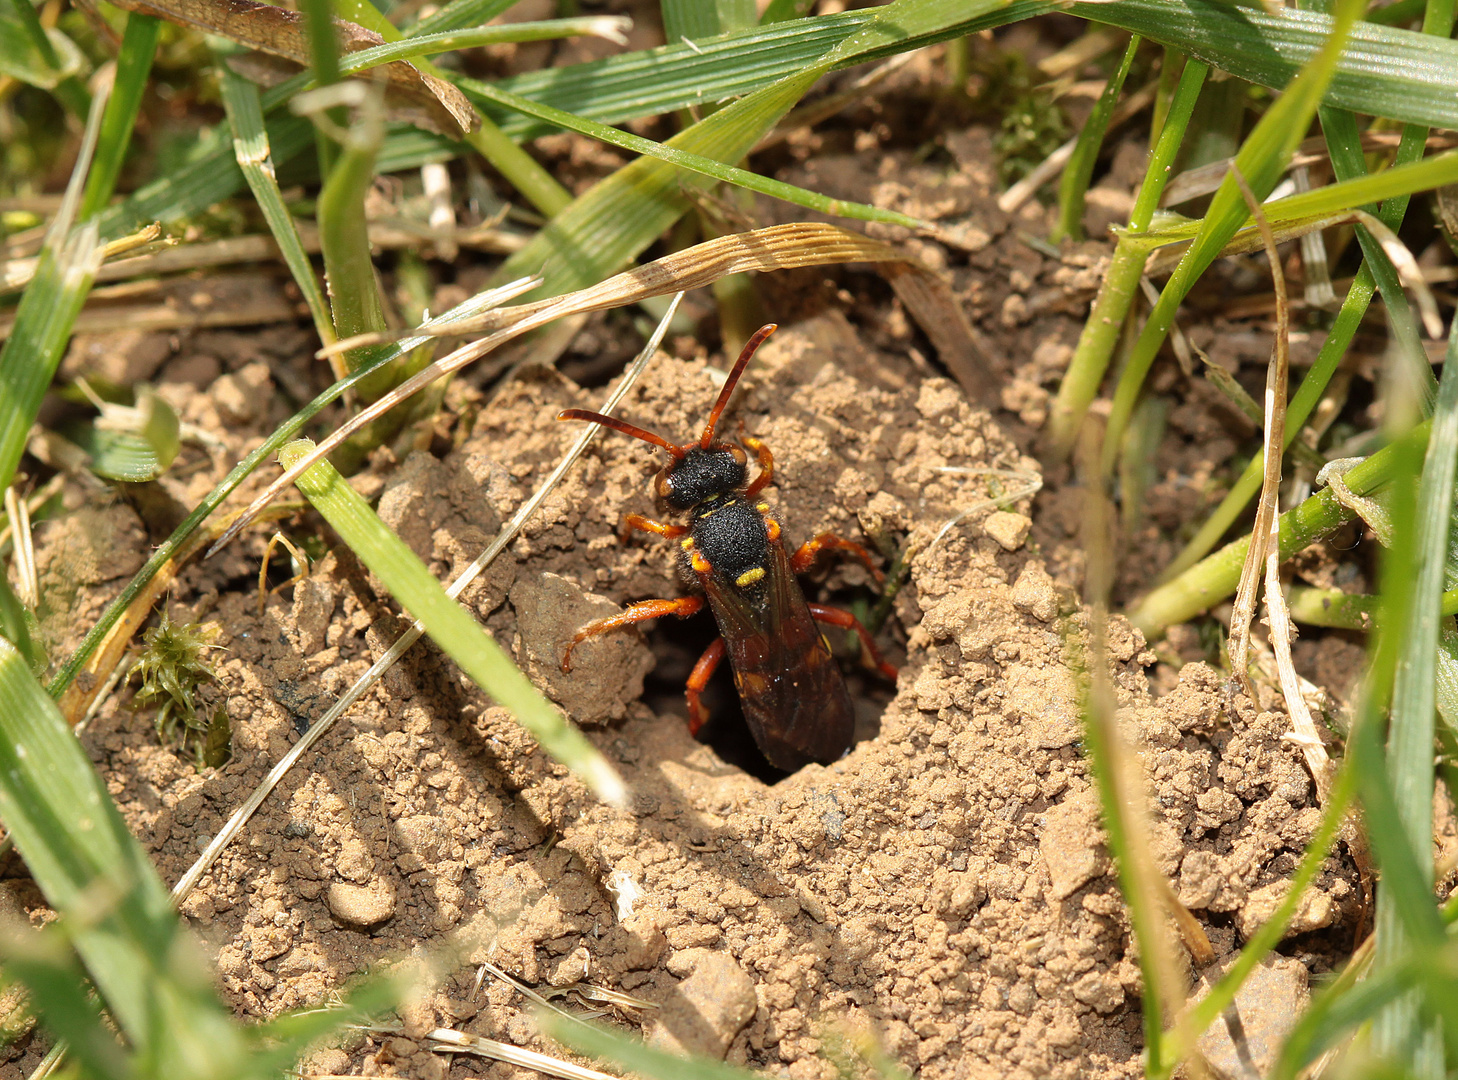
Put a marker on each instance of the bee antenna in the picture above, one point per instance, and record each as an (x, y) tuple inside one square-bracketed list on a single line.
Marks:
[(626, 428), (732, 381)]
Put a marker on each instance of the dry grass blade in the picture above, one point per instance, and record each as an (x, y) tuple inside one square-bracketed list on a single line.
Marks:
[(1262, 539), (365, 682), (780, 247), (388, 234), (434, 103), (247, 299), (15, 274), (27, 583), (83, 695), (448, 1040), (1303, 728)]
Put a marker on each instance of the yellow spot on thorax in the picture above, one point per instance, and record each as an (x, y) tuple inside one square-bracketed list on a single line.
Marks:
[(700, 564), (687, 543), (749, 577)]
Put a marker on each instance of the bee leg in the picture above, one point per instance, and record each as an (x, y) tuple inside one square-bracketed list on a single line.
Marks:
[(642, 611), (639, 522), (698, 679), (844, 619), (810, 550), (766, 463)]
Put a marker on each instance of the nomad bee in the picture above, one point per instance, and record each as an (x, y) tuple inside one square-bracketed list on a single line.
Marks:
[(794, 698)]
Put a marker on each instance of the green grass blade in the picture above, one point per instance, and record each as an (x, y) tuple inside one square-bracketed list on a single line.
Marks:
[(1262, 160), (250, 147), (43, 323), (449, 624), (1105, 323), (67, 88), (1344, 145), (1079, 170), (694, 19), (133, 62), (518, 167), (616, 219), (1214, 578), (661, 80), (1411, 723), (781, 10), (45, 965), (607, 226), (458, 14), (356, 305), (211, 176), (240, 472), (418, 45), (1383, 71), (48, 309), (1408, 889), (94, 873), (22, 58), (716, 70), (704, 166), (1392, 183), (1220, 996), (633, 1055), (1334, 1013)]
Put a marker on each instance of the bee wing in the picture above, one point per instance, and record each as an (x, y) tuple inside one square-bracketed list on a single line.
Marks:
[(794, 698)]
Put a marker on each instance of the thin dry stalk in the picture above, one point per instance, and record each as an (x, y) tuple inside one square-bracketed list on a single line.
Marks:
[(780, 247), (1303, 728), (450, 1041), (34, 501), (1262, 536), (27, 581), (15, 274), (240, 817)]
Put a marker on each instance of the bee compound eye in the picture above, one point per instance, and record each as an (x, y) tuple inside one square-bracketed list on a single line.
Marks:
[(738, 454), (661, 485)]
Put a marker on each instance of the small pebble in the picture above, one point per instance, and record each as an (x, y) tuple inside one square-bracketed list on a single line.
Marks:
[(361, 906), (1009, 530), (1034, 594), (707, 1009)]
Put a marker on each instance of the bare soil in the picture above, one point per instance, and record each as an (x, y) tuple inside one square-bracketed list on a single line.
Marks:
[(942, 889)]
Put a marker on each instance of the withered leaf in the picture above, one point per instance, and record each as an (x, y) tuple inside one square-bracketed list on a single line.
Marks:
[(425, 100)]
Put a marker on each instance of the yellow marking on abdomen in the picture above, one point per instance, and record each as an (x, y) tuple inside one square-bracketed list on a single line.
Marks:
[(749, 577)]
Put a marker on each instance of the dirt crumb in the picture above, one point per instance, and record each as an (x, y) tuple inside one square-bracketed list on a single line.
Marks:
[(942, 887)]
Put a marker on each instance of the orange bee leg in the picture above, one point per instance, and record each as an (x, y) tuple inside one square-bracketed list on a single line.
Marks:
[(810, 550), (698, 679), (766, 464), (642, 611), (642, 524), (846, 621)]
